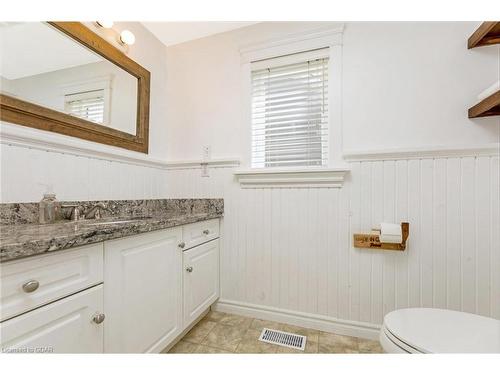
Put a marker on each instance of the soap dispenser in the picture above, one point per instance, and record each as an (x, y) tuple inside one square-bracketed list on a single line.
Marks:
[(49, 207)]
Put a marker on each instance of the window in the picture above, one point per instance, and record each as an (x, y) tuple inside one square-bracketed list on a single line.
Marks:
[(88, 105), (290, 110)]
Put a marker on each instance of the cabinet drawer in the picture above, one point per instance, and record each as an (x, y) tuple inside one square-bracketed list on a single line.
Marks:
[(64, 326), (57, 275), (198, 233)]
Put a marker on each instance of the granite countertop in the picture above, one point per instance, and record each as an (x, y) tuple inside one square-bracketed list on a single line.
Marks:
[(24, 240)]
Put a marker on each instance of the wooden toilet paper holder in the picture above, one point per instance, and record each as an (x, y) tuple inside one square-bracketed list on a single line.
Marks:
[(372, 240)]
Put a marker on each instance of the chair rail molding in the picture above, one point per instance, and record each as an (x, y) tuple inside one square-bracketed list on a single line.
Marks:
[(197, 164), (431, 152), (292, 178), (15, 135)]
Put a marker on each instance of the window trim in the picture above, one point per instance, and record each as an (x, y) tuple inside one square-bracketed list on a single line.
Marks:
[(312, 177), (330, 37)]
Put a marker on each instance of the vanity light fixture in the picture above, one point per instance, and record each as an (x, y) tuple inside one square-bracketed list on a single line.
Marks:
[(127, 37), (105, 24)]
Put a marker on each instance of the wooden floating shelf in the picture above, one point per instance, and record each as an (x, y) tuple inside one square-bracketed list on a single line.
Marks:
[(372, 240), (486, 35), (489, 106)]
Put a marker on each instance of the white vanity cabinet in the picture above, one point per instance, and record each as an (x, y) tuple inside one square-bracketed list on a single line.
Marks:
[(201, 279), (142, 291), (135, 294)]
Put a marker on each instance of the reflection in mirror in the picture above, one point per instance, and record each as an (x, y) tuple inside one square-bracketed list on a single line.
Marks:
[(43, 66)]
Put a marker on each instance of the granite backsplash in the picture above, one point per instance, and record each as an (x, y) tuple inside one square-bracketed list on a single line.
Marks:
[(28, 213)]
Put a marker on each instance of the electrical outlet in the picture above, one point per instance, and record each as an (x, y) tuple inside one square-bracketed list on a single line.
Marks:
[(207, 150), (204, 170)]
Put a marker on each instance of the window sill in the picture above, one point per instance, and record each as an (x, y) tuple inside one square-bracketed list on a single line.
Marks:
[(292, 178)]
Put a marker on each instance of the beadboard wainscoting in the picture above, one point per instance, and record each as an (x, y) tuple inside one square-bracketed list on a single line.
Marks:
[(34, 161), (26, 172), (287, 252)]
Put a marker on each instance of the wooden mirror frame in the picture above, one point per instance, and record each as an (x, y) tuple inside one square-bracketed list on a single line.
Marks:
[(35, 116)]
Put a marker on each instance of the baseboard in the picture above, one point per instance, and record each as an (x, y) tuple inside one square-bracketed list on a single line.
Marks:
[(306, 320)]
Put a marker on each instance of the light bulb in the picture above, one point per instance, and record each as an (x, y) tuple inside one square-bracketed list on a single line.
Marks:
[(126, 37), (105, 24)]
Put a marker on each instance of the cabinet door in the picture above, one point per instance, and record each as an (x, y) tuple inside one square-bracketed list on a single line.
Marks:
[(142, 292), (64, 326), (201, 279)]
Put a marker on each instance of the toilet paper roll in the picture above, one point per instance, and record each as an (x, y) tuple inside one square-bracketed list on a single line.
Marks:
[(391, 233)]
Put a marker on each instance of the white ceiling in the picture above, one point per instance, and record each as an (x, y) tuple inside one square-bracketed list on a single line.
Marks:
[(34, 48), (171, 33)]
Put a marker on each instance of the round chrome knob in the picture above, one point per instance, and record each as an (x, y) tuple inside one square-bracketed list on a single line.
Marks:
[(98, 318), (31, 286), (182, 245), (206, 231), (189, 269)]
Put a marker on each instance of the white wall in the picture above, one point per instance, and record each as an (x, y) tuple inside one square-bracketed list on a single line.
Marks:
[(404, 85), (410, 85), (151, 54), (23, 169), (291, 249)]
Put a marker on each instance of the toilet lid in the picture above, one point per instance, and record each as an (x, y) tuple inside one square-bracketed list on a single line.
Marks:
[(444, 331)]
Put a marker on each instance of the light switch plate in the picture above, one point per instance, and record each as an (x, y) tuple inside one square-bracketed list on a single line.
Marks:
[(204, 170), (207, 150)]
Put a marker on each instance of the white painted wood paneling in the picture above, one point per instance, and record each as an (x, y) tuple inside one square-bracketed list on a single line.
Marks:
[(483, 235), (453, 234), (378, 257), (291, 249), (439, 233), (75, 177), (401, 263), (426, 228), (495, 237)]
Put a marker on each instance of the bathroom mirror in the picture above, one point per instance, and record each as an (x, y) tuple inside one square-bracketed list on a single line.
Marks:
[(63, 77)]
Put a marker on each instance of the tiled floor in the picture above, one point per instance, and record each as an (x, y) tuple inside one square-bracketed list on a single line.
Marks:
[(226, 333)]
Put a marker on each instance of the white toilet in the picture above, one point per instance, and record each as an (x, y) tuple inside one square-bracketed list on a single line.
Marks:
[(425, 330)]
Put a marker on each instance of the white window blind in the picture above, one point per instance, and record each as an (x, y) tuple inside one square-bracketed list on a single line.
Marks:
[(290, 111), (87, 105)]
